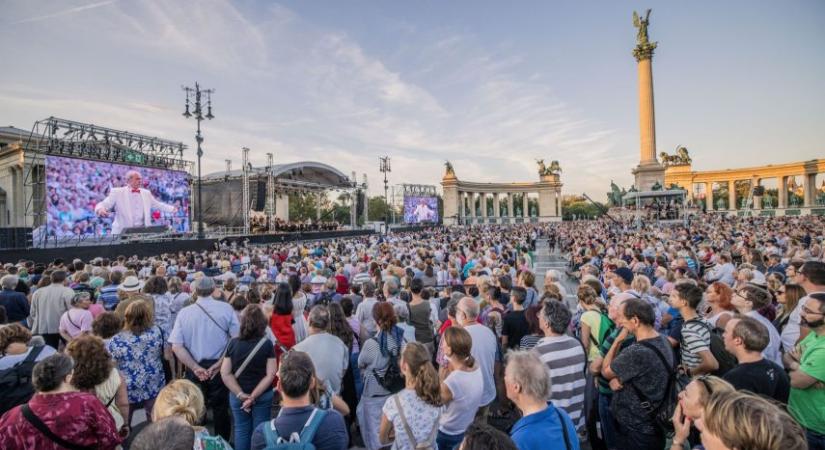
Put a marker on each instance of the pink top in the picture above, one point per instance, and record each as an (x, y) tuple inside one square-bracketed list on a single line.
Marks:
[(96, 310), (76, 321)]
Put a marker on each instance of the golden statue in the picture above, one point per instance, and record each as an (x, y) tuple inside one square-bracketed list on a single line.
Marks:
[(641, 24)]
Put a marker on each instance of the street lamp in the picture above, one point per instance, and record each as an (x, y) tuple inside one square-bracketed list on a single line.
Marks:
[(193, 98), (384, 167)]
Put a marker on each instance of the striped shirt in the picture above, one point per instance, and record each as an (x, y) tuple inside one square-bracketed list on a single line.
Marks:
[(695, 339), (565, 360)]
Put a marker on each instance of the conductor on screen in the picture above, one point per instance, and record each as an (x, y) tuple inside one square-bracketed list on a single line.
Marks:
[(423, 212), (132, 204)]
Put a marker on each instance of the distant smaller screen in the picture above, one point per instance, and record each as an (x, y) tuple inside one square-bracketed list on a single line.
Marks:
[(420, 209)]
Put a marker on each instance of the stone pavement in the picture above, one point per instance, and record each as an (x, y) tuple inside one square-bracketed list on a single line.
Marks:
[(545, 259)]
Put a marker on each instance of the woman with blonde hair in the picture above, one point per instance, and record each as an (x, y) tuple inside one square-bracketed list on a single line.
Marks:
[(138, 352), (594, 324), (692, 401), (183, 399), (462, 387), (787, 321), (739, 420), (414, 412)]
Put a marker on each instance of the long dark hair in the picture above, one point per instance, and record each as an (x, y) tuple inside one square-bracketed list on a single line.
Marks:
[(294, 283), (283, 299), (338, 325)]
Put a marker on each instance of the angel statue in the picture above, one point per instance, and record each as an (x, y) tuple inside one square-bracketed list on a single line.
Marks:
[(554, 169), (641, 24), (449, 167), (542, 167), (684, 156)]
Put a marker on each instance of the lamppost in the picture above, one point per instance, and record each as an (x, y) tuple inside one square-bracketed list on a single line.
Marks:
[(198, 113), (384, 167)]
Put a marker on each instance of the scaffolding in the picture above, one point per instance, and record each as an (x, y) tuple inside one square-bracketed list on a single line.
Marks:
[(245, 198)]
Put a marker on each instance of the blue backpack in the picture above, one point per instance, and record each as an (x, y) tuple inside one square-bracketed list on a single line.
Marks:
[(302, 441)]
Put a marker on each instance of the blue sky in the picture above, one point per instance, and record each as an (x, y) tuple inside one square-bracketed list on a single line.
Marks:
[(489, 85)]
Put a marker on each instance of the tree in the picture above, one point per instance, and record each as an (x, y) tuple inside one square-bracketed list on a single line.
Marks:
[(578, 206), (379, 210)]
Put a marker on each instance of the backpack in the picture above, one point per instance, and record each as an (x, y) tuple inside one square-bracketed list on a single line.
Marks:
[(661, 413), (393, 379), (725, 358), (324, 299), (302, 441), (16, 382)]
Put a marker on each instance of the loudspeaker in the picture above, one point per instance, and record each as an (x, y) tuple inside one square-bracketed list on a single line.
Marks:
[(15, 237), (359, 203), (260, 199)]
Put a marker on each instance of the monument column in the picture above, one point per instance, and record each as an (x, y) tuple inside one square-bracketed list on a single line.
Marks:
[(808, 183), (510, 205), (709, 206), (461, 211), (483, 201), (649, 171), (524, 211), (783, 192)]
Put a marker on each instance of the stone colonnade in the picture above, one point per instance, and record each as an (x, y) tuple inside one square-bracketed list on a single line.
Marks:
[(501, 203), (784, 194)]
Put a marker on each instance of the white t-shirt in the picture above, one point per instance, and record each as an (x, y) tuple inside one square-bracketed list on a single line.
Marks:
[(484, 352), (790, 334), (467, 389)]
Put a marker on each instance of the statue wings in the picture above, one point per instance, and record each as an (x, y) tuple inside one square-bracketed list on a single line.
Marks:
[(636, 22)]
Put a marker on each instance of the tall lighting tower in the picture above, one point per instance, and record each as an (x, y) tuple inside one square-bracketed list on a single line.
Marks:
[(193, 98), (384, 167)]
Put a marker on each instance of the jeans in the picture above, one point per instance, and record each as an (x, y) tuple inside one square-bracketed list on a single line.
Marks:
[(816, 441), (628, 439), (246, 422), (356, 373), (606, 419), (448, 441)]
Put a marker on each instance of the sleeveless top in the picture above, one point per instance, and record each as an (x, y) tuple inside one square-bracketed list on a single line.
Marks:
[(106, 393)]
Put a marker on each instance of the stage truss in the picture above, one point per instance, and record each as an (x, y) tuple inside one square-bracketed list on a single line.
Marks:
[(60, 137)]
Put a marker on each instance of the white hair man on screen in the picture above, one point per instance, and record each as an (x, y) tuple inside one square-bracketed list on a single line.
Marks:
[(132, 204)]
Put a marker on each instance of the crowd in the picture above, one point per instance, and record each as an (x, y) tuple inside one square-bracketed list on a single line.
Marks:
[(259, 223), (707, 336)]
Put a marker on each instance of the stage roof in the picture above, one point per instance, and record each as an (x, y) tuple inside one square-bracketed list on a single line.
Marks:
[(310, 172)]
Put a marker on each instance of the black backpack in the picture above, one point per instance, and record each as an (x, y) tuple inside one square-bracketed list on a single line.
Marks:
[(725, 358), (662, 412), (16, 382)]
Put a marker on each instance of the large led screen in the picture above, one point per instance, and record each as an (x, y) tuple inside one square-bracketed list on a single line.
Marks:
[(420, 209), (94, 198)]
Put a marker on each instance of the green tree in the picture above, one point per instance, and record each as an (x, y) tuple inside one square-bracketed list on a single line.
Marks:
[(580, 207), (379, 210)]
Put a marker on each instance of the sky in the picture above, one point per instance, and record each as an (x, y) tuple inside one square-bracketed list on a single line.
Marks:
[(488, 85)]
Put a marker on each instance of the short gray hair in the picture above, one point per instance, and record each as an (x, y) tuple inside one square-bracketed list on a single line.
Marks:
[(553, 274), (469, 307), (9, 281), (526, 369), (402, 312), (319, 317), (392, 286), (557, 316)]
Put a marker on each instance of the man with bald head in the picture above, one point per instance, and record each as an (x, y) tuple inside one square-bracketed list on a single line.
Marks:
[(132, 204), (484, 350)]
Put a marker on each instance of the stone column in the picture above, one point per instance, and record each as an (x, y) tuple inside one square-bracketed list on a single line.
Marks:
[(496, 206), (452, 209), (808, 183), (783, 192), (647, 121), (510, 205), (709, 196), (524, 211), (757, 200), (731, 195), (483, 203), (461, 211)]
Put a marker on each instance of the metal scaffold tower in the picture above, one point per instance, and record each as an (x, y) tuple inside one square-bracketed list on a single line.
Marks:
[(245, 190)]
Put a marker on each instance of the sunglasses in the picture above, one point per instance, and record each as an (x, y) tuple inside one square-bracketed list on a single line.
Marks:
[(805, 310)]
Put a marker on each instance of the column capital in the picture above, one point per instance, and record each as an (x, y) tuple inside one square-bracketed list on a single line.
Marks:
[(644, 51)]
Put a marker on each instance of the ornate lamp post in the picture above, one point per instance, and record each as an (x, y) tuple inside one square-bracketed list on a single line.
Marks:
[(193, 97)]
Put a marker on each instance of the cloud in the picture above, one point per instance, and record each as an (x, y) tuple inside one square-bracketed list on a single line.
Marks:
[(305, 91), (63, 13)]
